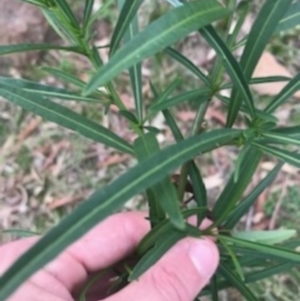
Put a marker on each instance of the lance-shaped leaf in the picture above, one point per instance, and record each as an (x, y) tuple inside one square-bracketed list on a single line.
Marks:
[(274, 137), (233, 69), (135, 71), (176, 55), (45, 90), (242, 208), (64, 117), (233, 191), (261, 31), (8, 49), (163, 244), (286, 156), (67, 11), (88, 9), (109, 199), (291, 18), (293, 131), (287, 92), (277, 251), (165, 194), (236, 282), (200, 95), (128, 12), (267, 237), (163, 32)]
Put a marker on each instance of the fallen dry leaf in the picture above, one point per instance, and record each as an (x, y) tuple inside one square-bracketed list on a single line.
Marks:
[(269, 66)]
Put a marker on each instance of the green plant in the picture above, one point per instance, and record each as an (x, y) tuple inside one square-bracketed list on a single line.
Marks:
[(259, 135)]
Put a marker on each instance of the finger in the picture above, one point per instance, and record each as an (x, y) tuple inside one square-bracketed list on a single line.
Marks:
[(178, 276), (104, 245)]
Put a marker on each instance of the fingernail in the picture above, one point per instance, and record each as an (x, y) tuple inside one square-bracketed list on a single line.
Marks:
[(204, 256)]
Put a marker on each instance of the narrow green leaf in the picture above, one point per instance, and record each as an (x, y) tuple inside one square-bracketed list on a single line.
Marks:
[(281, 138), (270, 250), (234, 259), (242, 208), (45, 90), (200, 94), (66, 77), (66, 10), (135, 71), (8, 49), (109, 199), (128, 12), (261, 31), (176, 55), (199, 188), (287, 156), (129, 116), (101, 11), (20, 232), (37, 3), (234, 70), (164, 243), (164, 226), (236, 282), (238, 164), (64, 117), (288, 91), (88, 9), (293, 131), (233, 191), (165, 192), (163, 32), (260, 80), (214, 289), (291, 18), (266, 237)]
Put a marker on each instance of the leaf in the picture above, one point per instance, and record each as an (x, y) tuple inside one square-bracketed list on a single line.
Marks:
[(163, 32), (67, 77), (241, 209), (234, 259), (20, 232), (128, 12), (280, 138), (163, 104), (107, 200), (287, 156), (135, 71), (214, 289), (162, 245), (268, 66), (293, 131), (176, 55), (266, 237), (64, 117), (234, 70), (236, 282), (233, 191), (263, 248), (290, 19), (285, 93), (129, 116), (66, 10), (164, 192), (88, 9), (261, 31), (8, 49), (45, 90)]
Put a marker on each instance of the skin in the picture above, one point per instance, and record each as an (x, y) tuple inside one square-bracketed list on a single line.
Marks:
[(178, 276)]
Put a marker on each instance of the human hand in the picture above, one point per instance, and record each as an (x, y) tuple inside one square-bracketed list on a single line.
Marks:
[(178, 276)]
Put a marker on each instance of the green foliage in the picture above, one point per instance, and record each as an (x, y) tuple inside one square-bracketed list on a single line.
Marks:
[(152, 174)]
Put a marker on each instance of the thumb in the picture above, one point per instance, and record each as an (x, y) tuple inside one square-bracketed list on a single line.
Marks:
[(178, 276)]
